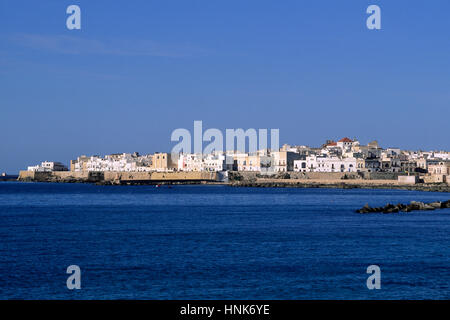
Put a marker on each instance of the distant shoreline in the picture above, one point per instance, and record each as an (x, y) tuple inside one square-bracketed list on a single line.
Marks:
[(10, 177)]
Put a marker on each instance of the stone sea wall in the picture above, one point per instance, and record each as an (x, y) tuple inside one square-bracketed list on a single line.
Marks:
[(328, 180), (118, 177)]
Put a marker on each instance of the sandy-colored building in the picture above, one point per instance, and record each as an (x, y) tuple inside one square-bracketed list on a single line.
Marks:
[(80, 164), (440, 168), (424, 163), (440, 172), (163, 162), (283, 161), (368, 165)]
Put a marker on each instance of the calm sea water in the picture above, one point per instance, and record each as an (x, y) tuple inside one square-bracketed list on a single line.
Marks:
[(217, 242)]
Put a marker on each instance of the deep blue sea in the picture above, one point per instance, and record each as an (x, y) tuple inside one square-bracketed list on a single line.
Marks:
[(218, 242)]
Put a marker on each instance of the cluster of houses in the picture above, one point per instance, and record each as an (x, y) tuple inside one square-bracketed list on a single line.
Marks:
[(345, 155)]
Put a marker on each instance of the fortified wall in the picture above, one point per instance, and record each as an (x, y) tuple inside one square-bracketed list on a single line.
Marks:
[(118, 177)]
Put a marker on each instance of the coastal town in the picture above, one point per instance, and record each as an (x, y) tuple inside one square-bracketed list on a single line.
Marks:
[(345, 158)]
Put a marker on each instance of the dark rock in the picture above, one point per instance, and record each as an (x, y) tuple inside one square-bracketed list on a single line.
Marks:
[(445, 204), (417, 205), (406, 209), (428, 207), (414, 205), (365, 209), (390, 209), (436, 205)]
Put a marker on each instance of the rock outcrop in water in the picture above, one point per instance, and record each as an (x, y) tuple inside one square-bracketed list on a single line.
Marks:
[(413, 206)]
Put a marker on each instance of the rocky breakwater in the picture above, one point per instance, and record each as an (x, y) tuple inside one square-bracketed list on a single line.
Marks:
[(413, 206)]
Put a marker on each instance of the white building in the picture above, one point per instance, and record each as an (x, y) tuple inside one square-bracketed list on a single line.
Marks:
[(48, 166), (124, 162), (442, 155), (345, 144), (190, 162), (200, 162), (325, 164), (215, 162)]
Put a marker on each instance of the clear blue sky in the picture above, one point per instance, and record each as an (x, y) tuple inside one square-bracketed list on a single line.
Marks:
[(137, 70)]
